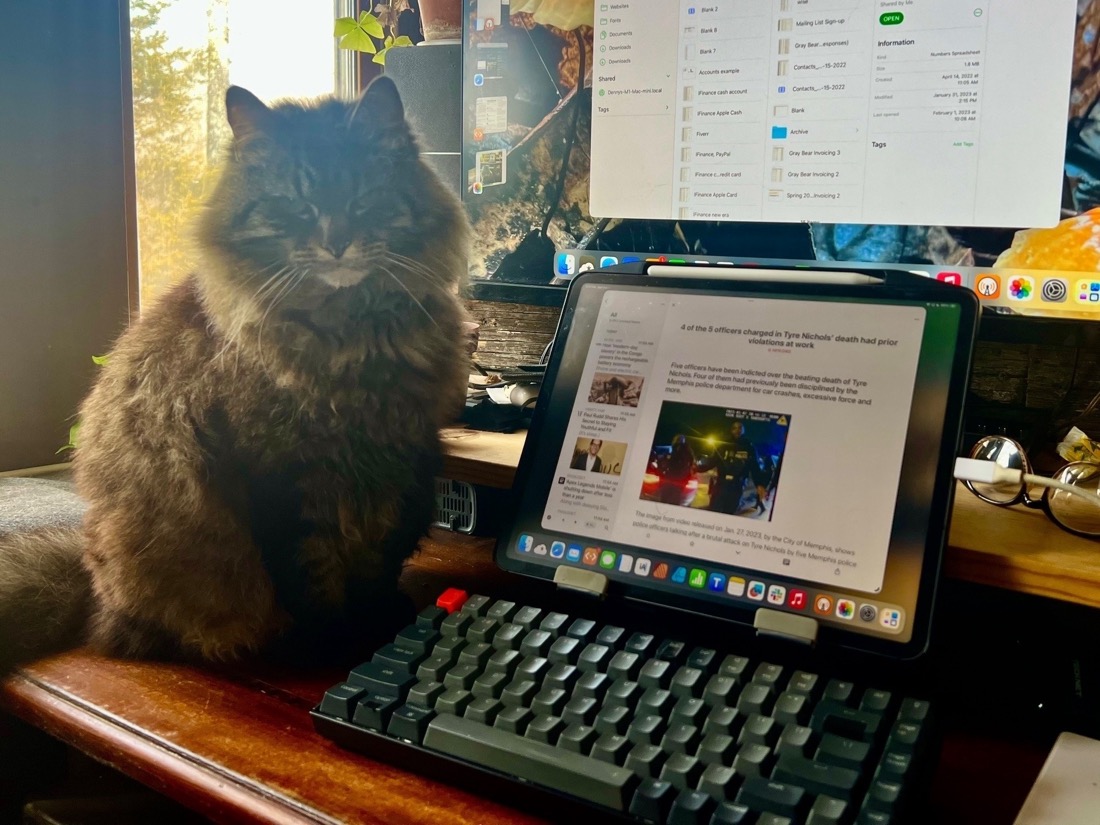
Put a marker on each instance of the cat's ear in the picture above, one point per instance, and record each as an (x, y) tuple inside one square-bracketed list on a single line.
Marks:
[(379, 107), (247, 113)]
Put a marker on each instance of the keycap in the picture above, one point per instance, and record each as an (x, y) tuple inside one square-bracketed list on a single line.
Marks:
[(646, 760), (672, 651), (449, 647), (519, 692), (578, 738), (883, 796), (704, 659), (687, 681), (417, 637), (655, 700), (756, 698), (724, 720), (640, 643), (526, 617), (827, 810), (564, 651), (691, 808), (589, 779), (735, 667), (647, 729), (476, 605), (453, 701), (503, 661), (424, 693), (838, 691), (451, 599), (768, 674), (716, 749), (768, 818), (729, 813), (502, 611), (913, 710), (614, 719), (549, 702), (762, 730), (509, 636), (536, 643), (871, 817), (624, 665), (545, 729), (490, 685), (803, 682), (434, 669), (475, 655), (399, 657), (623, 693), (554, 623), (432, 616), (593, 685), (831, 717), (795, 740), (580, 710), (532, 667), (720, 781), (875, 701), (752, 760), (374, 710), (340, 700), (655, 674), (483, 710), (455, 625), (482, 630), (815, 777), (904, 737), (680, 738), (652, 800), (381, 679), (563, 676), (690, 711), (410, 722), (778, 797), (893, 767), (792, 708), (845, 753), (720, 690), (682, 770), (582, 630), (612, 636), (611, 747), (461, 677), (513, 720), (594, 658)]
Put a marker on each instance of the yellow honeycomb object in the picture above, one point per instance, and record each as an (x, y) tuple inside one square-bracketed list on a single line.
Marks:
[(1073, 245)]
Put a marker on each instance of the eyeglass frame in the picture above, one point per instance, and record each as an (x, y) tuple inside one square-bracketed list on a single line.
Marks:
[(1024, 495)]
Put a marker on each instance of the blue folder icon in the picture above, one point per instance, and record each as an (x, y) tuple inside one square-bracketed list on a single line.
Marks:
[(779, 133)]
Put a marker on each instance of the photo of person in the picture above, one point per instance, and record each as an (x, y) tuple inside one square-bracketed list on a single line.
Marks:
[(593, 455), (615, 390), (716, 458)]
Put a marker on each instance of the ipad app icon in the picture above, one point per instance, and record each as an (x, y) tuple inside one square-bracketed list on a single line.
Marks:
[(757, 591)]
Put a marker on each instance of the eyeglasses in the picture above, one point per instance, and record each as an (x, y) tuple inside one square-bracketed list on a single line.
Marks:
[(1077, 514)]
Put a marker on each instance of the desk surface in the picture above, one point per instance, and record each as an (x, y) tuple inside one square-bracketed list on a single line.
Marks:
[(1010, 547), (237, 744)]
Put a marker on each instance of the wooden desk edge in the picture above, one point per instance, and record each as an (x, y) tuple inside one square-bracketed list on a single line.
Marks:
[(218, 794)]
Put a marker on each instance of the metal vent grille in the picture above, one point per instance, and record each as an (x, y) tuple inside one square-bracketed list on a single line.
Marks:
[(455, 503)]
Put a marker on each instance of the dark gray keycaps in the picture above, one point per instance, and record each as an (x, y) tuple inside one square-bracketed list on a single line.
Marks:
[(381, 679), (455, 625), (564, 651), (682, 770), (656, 673), (554, 623), (795, 740), (832, 717), (449, 647), (780, 798), (594, 658), (680, 738), (839, 691), (646, 729), (735, 667), (730, 813), (519, 692), (672, 651), (846, 753), (762, 730), (653, 800), (453, 701), (400, 657), (549, 701), (624, 665), (594, 685), (717, 749), (720, 781), (904, 737), (527, 617), (532, 667), (894, 766), (640, 643), (803, 682), (646, 760), (816, 777), (792, 708), (373, 711), (482, 630), (483, 710), (724, 720), (720, 690), (503, 661), (611, 747), (410, 722), (883, 796), (828, 810), (476, 606), (434, 669), (563, 676), (691, 808), (340, 700), (424, 693), (461, 677), (581, 776), (583, 630), (536, 643), (703, 658), (489, 685), (913, 710), (875, 701), (687, 681), (753, 760), (756, 698), (690, 711), (578, 738), (502, 611), (476, 654), (417, 637), (612, 636), (509, 637), (431, 616), (545, 729), (614, 719), (513, 719), (580, 710), (623, 693), (655, 700), (768, 674)]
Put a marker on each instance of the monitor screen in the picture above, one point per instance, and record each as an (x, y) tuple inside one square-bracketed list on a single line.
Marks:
[(962, 146)]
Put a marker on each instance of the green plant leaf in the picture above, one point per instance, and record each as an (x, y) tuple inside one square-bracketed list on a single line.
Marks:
[(369, 23), (74, 431), (403, 40), (100, 359), (358, 40), (344, 25), (381, 56)]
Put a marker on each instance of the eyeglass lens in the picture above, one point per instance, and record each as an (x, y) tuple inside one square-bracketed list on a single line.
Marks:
[(1072, 511), (1008, 454)]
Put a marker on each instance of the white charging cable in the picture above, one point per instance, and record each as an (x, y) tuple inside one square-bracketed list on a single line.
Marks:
[(990, 472)]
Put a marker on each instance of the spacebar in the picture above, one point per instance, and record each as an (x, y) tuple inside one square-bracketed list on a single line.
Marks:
[(561, 770)]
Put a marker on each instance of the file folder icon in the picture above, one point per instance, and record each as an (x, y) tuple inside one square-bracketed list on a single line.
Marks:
[(779, 133)]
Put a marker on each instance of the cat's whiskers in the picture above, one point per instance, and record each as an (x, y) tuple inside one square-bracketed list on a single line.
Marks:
[(291, 282), (414, 266), (412, 297)]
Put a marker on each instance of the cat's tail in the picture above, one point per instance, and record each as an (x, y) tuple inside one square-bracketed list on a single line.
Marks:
[(45, 594)]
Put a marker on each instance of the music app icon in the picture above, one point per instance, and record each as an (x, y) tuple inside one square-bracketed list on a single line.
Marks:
[(797, 599)]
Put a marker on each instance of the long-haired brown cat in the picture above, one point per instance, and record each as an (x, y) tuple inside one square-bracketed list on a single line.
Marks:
[(258, 454)]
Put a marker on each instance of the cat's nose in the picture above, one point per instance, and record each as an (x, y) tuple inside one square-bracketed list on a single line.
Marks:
[(336, 247)]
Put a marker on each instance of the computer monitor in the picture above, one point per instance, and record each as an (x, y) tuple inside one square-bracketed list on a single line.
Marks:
[(1008, 206)]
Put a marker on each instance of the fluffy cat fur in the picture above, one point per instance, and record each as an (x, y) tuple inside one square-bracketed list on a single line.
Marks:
[(258, 453)]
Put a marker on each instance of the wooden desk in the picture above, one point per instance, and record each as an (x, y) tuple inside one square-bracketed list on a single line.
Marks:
[(1010, 547), (237, 744)]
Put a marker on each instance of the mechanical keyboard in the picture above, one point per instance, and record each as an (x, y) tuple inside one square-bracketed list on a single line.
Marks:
[(564, 710)]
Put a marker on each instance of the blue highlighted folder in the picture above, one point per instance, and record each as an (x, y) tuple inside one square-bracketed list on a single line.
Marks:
[(779, 133)]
